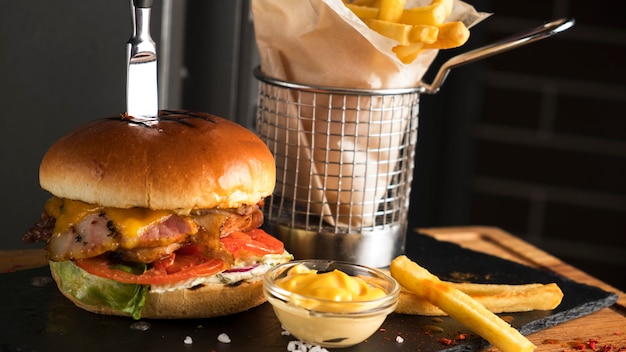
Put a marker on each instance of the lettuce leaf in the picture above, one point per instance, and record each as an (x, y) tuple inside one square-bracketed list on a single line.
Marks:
[(96, 291)]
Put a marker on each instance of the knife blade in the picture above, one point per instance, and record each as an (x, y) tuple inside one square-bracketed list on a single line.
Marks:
[(142, 102)]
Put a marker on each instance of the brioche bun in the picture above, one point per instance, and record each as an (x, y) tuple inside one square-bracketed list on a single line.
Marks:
[(189, 160)]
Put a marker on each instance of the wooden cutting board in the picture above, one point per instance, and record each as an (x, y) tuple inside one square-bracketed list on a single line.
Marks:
[(607, 326)]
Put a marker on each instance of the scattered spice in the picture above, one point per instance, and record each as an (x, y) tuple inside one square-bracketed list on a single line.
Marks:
[(551, 342), (591, 344), (445, 341), (432, 328), (606, 348)]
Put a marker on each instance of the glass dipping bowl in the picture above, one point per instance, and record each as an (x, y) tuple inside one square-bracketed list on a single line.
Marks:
[(333, 323)]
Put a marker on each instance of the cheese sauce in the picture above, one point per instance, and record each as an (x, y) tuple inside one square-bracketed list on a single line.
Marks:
[(333, 286), (330, 308)]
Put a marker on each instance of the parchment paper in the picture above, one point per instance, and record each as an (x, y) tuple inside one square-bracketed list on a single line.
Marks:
[(348, 147)]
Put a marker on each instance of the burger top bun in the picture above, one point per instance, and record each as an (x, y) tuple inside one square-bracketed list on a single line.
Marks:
[(187, 160)]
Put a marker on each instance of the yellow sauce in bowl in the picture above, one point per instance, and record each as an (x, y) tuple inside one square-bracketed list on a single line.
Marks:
[(340, 306), (316, 289)]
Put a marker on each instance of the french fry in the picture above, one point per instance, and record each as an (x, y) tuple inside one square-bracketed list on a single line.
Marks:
[(448, 4), (433, 14), (397, 31), (405, 34), (390, 10), (415, 29), (422, 33), (451, 35), (490, 289), (496, 298), (459, 306), (407, 53)]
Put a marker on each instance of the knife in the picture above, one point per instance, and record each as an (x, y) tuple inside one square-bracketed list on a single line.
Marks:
[(142, 101)]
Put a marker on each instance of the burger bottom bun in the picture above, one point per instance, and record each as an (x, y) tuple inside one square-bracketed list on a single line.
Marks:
[(205, 302), (211, 300)]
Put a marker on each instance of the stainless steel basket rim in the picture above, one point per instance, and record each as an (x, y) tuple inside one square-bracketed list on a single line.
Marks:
[(258, 73)]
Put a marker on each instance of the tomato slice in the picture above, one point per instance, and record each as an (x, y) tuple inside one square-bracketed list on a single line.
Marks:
[(255, 242), (187, 262), (178, 267)]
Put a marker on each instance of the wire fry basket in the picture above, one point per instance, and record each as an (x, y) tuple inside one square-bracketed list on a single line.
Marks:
[(344, 159), (344, 162)]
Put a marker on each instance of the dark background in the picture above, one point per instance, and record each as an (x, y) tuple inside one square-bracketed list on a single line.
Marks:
[(532, 141)]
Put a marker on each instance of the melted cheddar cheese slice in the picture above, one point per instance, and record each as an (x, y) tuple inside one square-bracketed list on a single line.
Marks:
[(129, 222)]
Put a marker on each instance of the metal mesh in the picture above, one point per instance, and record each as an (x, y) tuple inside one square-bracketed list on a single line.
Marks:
[(344, 158)]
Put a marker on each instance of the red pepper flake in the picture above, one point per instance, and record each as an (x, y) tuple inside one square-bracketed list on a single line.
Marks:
[(445, 341), (551, 342), (461, 337), (606, 348), (593, 343)]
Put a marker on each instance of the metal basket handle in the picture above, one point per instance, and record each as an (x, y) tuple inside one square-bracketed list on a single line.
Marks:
[(515, 41)]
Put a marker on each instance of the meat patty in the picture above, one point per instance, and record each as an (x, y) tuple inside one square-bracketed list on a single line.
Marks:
[(96, 234), (42, 230), (90, 237)]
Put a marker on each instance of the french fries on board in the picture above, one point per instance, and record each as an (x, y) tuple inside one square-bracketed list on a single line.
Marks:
[(459, 306), (415, 29), (497, 298)]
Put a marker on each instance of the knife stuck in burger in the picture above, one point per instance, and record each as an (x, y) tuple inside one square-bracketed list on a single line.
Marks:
[(159, 219)]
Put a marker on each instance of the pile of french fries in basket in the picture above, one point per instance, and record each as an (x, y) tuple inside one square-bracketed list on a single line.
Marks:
[(473, 305), (416, 29)]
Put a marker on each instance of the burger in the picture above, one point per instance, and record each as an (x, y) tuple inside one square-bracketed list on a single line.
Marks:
[(159, 220)]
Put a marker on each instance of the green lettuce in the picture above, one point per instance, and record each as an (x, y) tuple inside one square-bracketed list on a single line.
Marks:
[(96, 291)]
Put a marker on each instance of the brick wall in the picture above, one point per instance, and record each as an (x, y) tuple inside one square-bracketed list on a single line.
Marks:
[(549, 142)]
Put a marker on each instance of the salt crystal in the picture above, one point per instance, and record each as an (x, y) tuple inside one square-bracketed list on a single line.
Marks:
[(140, 325), (188, 340), (292, 346), (399, 339), (223, 338), (300, 346), (41, 281)]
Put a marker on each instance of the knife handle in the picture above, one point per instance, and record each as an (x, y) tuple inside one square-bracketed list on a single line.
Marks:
[(143, 3)]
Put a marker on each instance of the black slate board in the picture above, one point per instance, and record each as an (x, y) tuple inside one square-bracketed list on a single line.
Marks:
[(39, 318)]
